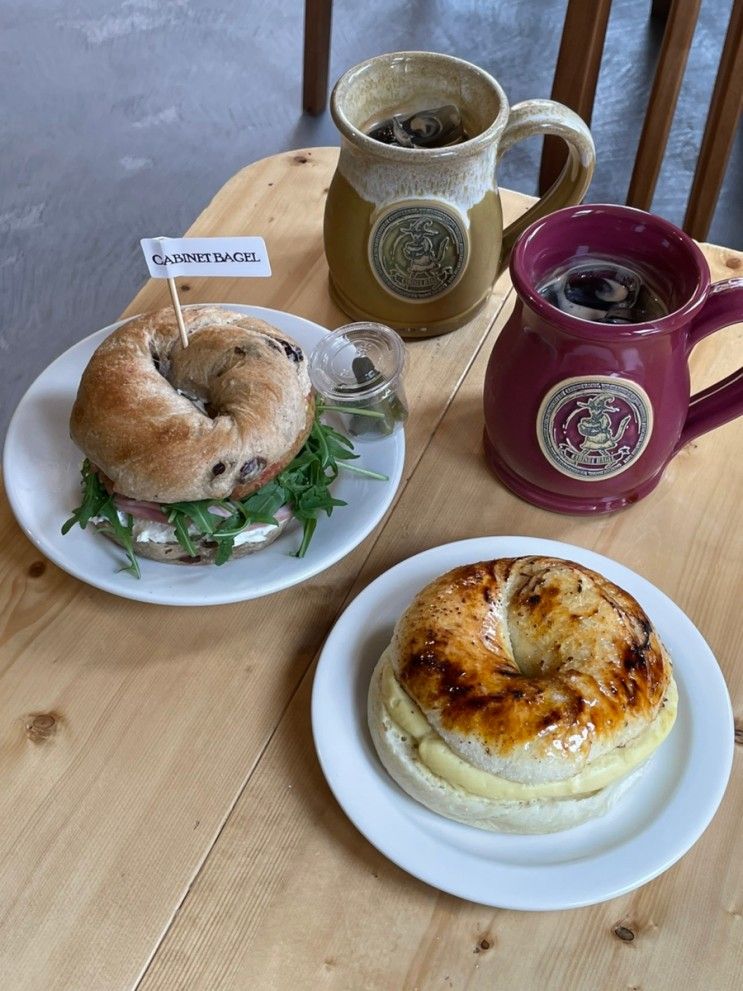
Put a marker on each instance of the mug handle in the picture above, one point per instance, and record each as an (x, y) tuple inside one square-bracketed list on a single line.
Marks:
[(548, 117), (723, 401)]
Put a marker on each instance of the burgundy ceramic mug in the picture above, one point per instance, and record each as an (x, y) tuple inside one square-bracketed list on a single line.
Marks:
[(583, 416)]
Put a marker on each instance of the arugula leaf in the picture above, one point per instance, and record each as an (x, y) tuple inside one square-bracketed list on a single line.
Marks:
[(308, 531), (224, 551), (179, 522), (262, 506), (121, 533), (97, 502), (197, 512), (94, 496)]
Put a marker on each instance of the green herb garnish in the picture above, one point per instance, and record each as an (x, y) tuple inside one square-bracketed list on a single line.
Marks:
[(304, 485), (97, 502)]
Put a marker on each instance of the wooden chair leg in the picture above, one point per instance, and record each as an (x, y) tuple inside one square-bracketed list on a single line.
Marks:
[(317, 17), (722, 120), (669, 73), (576, 74)]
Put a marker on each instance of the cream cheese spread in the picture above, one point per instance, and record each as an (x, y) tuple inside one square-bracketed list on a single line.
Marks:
[(440, 759), (163, 533)]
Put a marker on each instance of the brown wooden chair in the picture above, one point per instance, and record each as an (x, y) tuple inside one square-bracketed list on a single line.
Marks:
[(722, 120), (575, 80), (317, 17), (575, 84)]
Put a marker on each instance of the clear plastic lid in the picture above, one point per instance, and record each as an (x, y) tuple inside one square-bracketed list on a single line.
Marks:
[(358, 363)]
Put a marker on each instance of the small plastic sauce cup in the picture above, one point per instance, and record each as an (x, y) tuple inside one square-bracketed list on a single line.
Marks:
[(358, 371)]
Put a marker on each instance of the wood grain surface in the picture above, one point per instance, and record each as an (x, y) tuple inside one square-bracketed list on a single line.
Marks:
[(165, 821)]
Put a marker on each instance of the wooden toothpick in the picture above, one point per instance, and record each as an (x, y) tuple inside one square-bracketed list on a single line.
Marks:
[(177, 308), (178, 314)]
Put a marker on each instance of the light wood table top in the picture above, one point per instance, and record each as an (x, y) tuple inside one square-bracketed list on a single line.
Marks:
[(165, 823)]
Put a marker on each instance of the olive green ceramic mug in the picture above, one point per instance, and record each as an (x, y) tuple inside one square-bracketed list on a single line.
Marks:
[(414, 237)]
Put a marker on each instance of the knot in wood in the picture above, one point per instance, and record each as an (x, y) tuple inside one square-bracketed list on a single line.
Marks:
[(40, 726)]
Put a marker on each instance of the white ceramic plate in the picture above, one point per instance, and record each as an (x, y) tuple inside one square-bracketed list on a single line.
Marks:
[(657, 821), (42, 479)]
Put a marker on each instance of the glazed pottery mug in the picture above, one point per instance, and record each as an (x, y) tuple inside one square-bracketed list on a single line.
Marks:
[(414, 236), (583, 416)]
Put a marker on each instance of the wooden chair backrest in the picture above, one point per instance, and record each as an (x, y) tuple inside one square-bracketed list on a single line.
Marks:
[(575, 80)]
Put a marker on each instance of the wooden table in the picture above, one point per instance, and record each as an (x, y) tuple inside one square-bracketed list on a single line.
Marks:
[(165, 823)]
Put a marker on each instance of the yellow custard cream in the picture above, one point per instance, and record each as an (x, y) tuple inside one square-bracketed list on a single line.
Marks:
[(438, 757)]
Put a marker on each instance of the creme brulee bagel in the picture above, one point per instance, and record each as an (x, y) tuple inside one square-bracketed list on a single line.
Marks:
[(521, 694)]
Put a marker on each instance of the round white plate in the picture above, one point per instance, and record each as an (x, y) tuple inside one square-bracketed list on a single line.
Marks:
[(42, 480), (655, 823)]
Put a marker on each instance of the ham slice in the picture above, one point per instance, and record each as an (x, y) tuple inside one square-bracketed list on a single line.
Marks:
[(142, 510)]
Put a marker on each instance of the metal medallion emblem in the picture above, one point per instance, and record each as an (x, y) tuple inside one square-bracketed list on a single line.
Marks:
[(594, 427), (418, 252)]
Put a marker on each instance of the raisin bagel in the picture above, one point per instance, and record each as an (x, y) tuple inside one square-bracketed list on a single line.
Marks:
[(523, 694), (217, 419)]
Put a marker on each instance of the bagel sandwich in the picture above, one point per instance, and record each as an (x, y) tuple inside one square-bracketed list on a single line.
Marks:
[(521, 695), (205, 453)]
